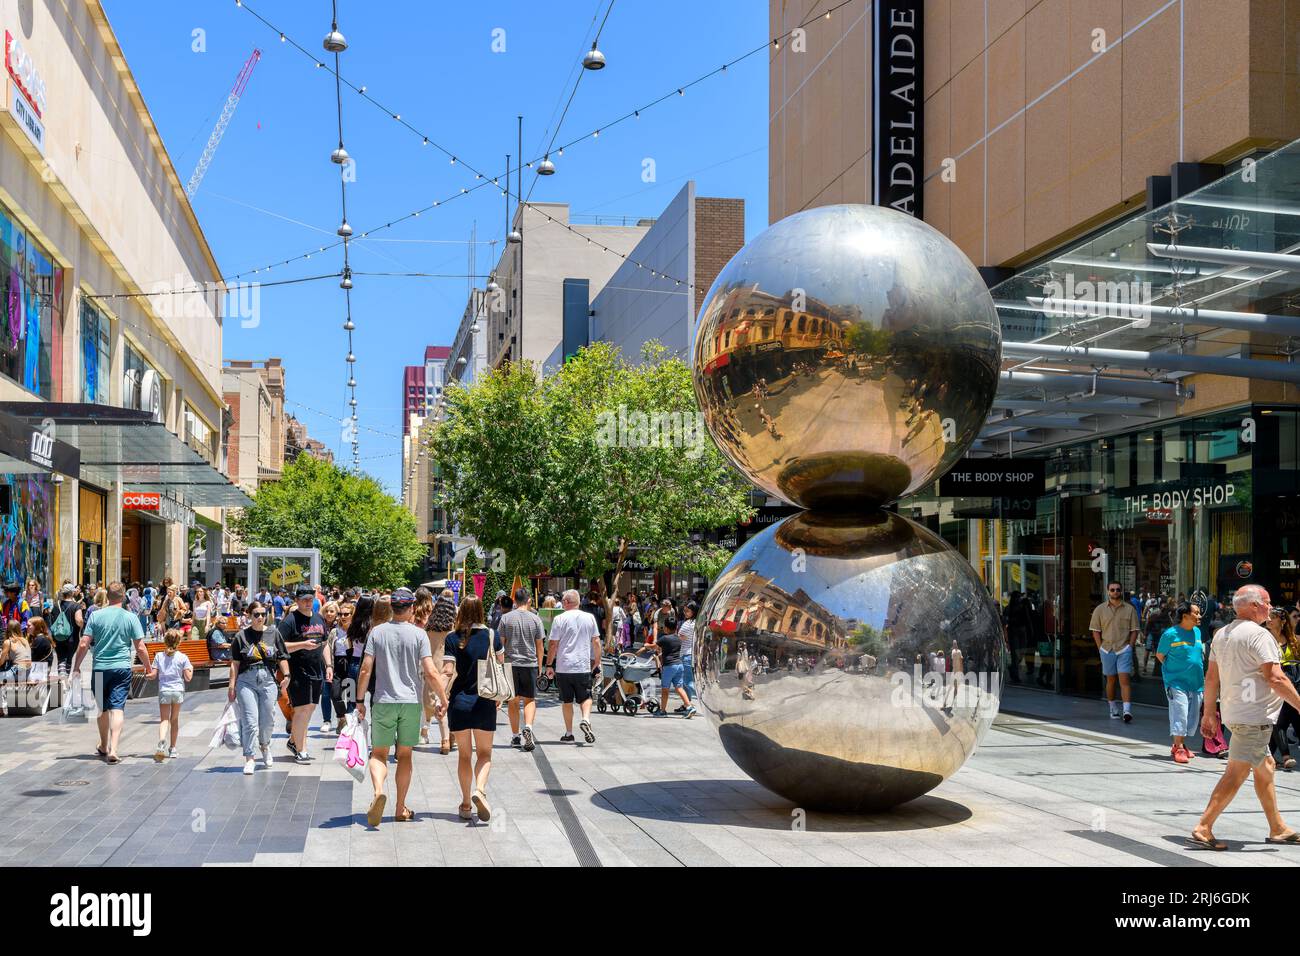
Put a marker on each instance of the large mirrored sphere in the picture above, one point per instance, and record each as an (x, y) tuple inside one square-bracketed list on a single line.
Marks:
[(825, 660), (848, 354)]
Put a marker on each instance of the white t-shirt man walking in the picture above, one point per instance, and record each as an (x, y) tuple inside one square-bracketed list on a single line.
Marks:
[(574, 645)]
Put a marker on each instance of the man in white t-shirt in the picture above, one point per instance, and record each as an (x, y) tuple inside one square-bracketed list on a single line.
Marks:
[(1246, 676), (574, 646)]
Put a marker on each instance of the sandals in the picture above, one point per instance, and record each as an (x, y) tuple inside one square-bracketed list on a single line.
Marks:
[(101, 752), (376, 811), (466, 813), (405, 815), (1291, 839), (1208, 844), (481, 805), (445, 748), (112, 758)]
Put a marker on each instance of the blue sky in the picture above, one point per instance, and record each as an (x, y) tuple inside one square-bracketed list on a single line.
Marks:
[(272, 193)]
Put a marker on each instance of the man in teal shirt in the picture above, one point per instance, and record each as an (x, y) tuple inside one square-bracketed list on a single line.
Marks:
[(112, 632), (1182, 660)]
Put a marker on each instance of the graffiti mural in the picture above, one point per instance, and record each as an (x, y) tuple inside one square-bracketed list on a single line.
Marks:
[(26, 528)]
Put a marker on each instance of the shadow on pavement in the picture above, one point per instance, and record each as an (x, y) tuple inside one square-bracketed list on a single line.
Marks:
[(745, 804)]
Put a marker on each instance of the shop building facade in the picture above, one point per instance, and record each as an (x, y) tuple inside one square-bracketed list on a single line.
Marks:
[(1123, 175), (112, 323)]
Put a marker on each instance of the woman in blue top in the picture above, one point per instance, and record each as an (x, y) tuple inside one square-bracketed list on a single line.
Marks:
[(470, 716), (1182, 659)]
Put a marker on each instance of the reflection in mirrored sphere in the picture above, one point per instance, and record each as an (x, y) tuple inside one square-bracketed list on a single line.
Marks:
[(814, 660), (848, 354)]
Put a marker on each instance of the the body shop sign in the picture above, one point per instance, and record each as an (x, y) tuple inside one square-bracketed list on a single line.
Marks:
[(897, 99), (25, 97)]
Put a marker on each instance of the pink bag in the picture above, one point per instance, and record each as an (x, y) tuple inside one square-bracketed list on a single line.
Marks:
[(352, 749), (1213, 746)]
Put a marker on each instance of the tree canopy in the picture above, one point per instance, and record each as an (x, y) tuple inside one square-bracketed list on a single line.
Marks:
[(366, 538), (576, 469)]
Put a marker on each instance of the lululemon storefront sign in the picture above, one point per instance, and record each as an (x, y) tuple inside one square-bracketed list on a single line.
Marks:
[(897, 105)]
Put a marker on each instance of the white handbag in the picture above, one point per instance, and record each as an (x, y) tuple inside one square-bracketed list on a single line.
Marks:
[(495, 680)]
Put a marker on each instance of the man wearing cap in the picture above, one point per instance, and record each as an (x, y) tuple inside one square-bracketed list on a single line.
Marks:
[(14, 607), (400, 660), (309, 668)]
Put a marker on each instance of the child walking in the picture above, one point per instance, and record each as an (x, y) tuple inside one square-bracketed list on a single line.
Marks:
[(173, 670)]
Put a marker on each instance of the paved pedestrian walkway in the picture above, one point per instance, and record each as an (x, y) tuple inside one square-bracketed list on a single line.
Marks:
[(1074, 789)]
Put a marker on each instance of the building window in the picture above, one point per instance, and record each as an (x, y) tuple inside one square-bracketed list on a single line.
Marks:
[(198, 435), (135, 367), (31, 295), (96, 354)]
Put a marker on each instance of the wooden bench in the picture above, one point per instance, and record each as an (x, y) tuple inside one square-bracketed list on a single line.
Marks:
[(196, 650)]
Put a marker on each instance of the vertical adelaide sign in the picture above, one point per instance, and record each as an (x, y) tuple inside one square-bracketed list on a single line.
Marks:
[(897, 105)]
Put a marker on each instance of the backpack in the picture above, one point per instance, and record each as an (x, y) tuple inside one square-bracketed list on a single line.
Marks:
[(61, 630)]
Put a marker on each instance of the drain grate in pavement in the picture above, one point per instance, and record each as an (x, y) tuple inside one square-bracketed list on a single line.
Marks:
[(72, 783), (569, 822)]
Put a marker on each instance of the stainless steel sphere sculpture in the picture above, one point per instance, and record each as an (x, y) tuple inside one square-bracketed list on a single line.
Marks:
[(843, 359)]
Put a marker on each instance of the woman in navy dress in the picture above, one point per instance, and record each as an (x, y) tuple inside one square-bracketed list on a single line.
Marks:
[(472, 719)]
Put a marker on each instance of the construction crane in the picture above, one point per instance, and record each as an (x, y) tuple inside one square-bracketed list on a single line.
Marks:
[(227, 111)]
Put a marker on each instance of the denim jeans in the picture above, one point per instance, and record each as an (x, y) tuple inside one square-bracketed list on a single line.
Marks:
[(326, 689), (1184, 711), (354, 671), (256, 693), (688, 663)]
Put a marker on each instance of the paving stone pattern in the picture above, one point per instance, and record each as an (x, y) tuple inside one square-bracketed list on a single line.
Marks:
[(1055, 783)]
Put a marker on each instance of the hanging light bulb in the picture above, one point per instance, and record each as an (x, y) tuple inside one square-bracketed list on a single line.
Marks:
[(344, 230), (351, 358), (492, 286), (514, 236), (340, 155), (546, 167), (349, 325), (352, 383), (352, 402), (593, 59), (334, 41), (347, 280)]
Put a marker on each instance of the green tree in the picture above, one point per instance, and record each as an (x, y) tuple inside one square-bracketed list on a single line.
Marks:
[(576, 469), (366, 538)]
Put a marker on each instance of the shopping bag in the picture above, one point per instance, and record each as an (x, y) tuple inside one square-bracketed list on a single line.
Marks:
[(227, 732), (352, 749), (74, 707)]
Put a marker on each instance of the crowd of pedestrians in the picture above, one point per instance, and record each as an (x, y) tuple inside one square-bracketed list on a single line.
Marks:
[(407, 663)]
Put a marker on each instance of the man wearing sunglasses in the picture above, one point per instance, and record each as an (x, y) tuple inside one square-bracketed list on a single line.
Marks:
[(1114, 628)]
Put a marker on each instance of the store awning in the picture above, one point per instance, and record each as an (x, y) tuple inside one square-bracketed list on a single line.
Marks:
[(1103, 335), (129, 446), (29, 449)]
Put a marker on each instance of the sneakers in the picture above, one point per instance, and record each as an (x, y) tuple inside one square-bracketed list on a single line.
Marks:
[(660, 713), (567, 739), (1128, 717), (529, 742), (267, 760), (587, 733), (681, 709), (160, 754), (249, 764), (514, 741), (424, 734), (293, 747), (1179, 754), (173, 753), (1114, 713), (689, 712), (300, 756)]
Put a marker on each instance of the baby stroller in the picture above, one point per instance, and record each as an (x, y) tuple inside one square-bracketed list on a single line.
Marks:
[(622, 683)]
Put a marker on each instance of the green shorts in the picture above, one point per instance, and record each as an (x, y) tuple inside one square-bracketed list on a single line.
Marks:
[(398, 723)]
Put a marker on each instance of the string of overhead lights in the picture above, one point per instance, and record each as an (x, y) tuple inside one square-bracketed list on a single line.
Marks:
[(593, 60), (336, 43)]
